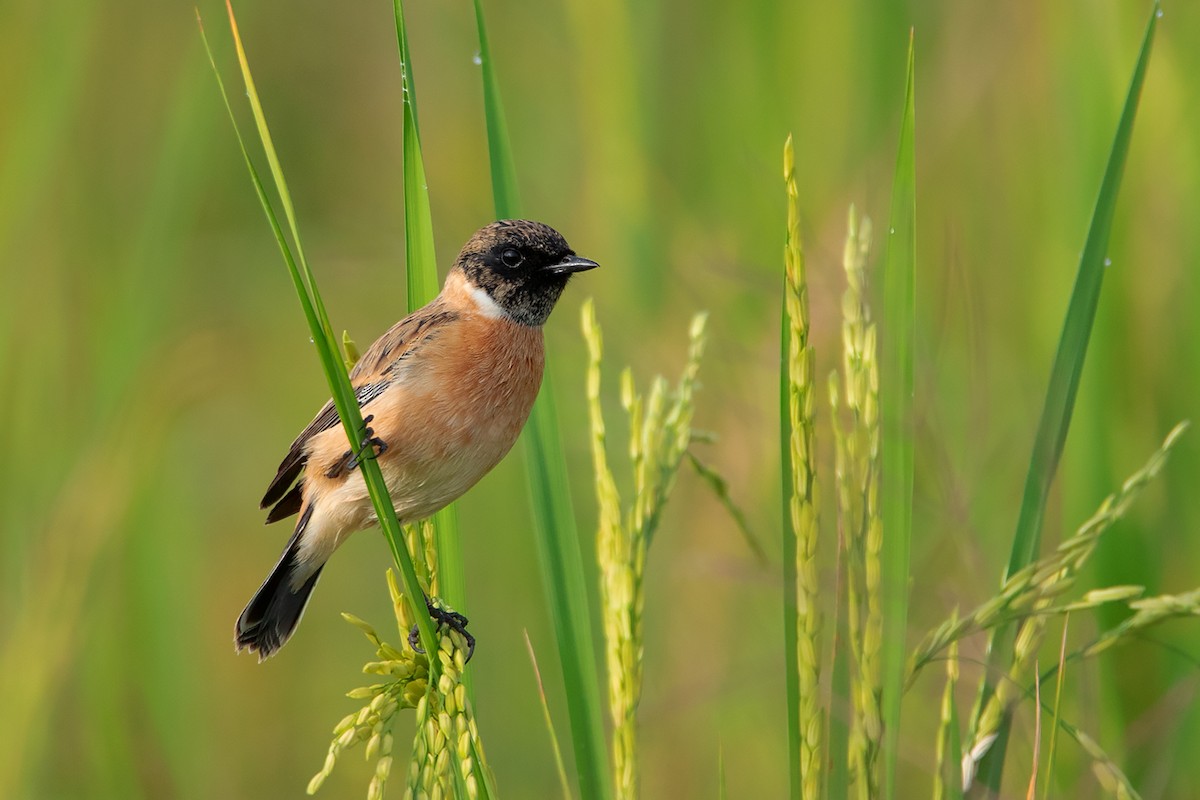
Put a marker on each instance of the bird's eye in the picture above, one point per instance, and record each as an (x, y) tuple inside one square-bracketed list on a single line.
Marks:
[(512, 258)]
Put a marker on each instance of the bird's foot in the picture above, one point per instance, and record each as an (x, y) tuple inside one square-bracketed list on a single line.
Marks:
[(443, 617), (370, 447)]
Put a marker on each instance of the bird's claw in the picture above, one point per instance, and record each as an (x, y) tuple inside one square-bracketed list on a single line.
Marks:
[(370, 447), (443, 617)]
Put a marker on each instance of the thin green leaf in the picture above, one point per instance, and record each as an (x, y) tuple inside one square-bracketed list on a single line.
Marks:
[(560, 552), (896, 400), (1056, 709), (563, 780), (1077, 330), (335, 371), (419, 256), (561, 560), (720, 487), (954, 790), (505, 193), (422, 283), (1064, 383), (452, 579)]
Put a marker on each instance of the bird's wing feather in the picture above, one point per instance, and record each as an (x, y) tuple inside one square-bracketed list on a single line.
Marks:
[(377, 369)]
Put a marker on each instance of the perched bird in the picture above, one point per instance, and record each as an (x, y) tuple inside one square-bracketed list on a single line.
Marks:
[(446, 391)]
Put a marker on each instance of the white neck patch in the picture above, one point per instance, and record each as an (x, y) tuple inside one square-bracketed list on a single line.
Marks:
[(485, 304)]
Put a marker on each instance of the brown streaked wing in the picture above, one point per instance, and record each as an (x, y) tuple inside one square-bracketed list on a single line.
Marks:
[(373, 373)]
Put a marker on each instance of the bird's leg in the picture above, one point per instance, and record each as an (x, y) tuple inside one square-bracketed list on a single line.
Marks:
[(351, 459), (443, 616)]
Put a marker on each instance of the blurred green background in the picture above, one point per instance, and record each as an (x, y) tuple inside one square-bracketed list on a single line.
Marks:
[(154, 364)]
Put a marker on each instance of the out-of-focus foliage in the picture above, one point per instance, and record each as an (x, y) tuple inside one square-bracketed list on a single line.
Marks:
[(153, 364)]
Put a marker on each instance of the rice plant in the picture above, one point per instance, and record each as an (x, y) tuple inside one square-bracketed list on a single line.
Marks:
[(659, 435), (139, 348), (802, 612), (560, 548), (871, 420)]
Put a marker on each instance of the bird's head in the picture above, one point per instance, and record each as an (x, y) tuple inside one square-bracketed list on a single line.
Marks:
[(521, 266)]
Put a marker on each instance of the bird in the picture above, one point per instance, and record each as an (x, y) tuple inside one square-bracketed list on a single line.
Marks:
[(445, 391)]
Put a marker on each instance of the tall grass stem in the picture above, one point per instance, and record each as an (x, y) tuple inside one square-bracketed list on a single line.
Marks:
[(322, 334), (560, 551), (1064, 383)]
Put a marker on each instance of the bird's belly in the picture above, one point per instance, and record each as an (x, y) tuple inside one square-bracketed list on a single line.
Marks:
[(446, 423), (435, 473), (454, 424)]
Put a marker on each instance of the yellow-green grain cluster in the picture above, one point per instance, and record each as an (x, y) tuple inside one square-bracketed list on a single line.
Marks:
[(946, 731), (1146, 612), (803, 503), (447, 753), (420, 537), (407, 677), (660, 431), (1051, 576), (1029, 597), (859, 521), (446, 749)]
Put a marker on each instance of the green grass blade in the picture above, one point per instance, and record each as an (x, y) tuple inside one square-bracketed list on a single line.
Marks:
[(419, 256), (327, 350), (720, 488), (1077, 329), (561, 559), (285, 197), (1056, 709), (954, 790), (896, 400), (560, 552), (1064, 380), (505, 192), (563, 781), (420, 259), (452, 579)]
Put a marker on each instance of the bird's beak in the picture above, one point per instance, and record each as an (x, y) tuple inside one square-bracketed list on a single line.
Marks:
[(571, 264)]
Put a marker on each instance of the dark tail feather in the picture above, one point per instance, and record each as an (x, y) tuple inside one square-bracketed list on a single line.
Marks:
[(272, 615)]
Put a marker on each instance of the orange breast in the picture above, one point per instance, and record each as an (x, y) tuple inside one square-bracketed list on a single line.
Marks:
[(473, 389), (462, 413), (452, 414)]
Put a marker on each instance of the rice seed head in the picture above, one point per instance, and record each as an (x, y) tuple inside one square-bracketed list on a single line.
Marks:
[(1033, 587), (443, 714), (1032, 590), (946, 722), (803, 501), (857, 477), (659, 434)]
